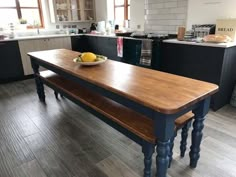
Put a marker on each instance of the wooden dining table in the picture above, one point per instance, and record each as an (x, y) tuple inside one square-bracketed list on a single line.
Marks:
[(162, 97)]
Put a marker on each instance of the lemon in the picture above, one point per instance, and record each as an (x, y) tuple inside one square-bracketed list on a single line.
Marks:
[(88, 57)]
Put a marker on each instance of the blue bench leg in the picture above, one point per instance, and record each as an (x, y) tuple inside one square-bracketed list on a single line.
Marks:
[(184, 137), (148, 150), (39, 82), (171, 148), (56, 94)]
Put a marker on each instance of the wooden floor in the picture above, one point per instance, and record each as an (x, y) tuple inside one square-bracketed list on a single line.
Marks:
[(60, 139)]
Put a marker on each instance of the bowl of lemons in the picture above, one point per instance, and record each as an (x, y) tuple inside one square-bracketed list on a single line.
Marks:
[(89, 59)]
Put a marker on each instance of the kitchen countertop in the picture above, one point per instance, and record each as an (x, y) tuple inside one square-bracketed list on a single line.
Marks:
[(20, 38), (221, 45)]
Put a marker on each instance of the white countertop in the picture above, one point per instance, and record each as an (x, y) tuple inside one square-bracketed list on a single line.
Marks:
[(222, 45), (20, 38)]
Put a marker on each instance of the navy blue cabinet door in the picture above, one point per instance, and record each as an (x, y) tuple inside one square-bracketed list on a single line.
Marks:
[(79, 43), (211, 64), (107, 46), (10, 61)]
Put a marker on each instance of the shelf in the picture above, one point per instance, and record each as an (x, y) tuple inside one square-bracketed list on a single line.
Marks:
[(83, 21), (72, 10), (69, 9)]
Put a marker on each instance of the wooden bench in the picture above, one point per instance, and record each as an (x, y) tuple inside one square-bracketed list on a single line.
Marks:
[(124, 118)]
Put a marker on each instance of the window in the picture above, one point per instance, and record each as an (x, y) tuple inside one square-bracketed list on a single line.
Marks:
[(122, 10), (13, 10)]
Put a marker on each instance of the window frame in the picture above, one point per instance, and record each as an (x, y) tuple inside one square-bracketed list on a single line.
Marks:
[(18, 8), (126, 7)]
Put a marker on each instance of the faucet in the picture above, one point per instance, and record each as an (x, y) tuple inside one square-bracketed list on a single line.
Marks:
[(36, 25), (38, 32)]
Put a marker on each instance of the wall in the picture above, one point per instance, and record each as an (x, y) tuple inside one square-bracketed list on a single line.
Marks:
[(110, 9), (137, 14), (164, 16), (207, 11), (101, 10)]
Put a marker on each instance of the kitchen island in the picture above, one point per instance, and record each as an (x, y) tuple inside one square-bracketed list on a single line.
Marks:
[(215, 63)]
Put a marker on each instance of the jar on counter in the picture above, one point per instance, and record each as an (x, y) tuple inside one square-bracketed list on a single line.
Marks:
[(181, 33)]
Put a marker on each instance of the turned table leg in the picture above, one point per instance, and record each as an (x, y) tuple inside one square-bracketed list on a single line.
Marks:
[(162, 159), (38, 81), (148, 150), (198, 125), (164, 130)]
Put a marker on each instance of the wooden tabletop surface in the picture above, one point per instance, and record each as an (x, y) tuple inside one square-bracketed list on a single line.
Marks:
[(163, 92)]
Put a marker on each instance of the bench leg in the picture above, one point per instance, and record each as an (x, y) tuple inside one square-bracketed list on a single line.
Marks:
[(184, 137), (56, 94), (171, 148), (39, 82), (148, 150)]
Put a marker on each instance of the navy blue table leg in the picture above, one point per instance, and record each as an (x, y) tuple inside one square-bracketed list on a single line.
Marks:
[(38, 81), (164, 131), (162, 159), (148, 150), (198, 125)]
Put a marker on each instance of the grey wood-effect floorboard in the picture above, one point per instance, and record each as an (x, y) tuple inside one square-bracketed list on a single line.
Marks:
[(60, 139)]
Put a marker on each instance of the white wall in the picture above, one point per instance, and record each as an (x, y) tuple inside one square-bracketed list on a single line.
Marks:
[(101, 10), (137, 13), (165, 16), (207, 11), (110, 9)]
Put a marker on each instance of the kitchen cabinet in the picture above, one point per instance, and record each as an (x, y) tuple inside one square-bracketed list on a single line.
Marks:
[(93, 44), (10, 61), (38, 45), (106, 46), (72, 10), (79, 43), (132, 51), (212, 64)]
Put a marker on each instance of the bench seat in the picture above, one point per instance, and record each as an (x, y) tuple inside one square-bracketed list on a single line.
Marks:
[(134, 122)]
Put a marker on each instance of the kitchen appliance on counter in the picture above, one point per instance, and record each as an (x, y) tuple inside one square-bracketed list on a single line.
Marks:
[(82, 31), (226, 27), (93, 27), (124, 34), (141, 37), (203, 30), (139, 34)]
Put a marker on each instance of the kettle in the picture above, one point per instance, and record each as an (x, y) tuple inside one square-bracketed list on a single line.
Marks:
[(93, 27)]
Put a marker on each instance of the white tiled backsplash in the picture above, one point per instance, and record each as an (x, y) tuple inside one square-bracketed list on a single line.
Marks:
[(165, 16)]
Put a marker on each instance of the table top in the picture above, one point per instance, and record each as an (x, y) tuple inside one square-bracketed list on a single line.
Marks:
[(162, 92)]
